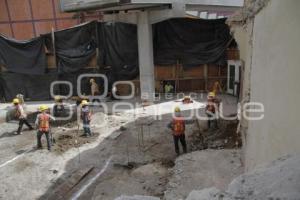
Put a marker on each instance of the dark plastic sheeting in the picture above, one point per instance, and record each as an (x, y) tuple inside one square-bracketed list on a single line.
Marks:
[(191, 41), (26, 57), (34, 87), (72, 77), (118, 49), (74, 47)]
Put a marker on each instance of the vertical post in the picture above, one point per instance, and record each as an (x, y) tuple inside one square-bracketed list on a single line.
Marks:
[(146, 63), (206, 76), (53, 44)]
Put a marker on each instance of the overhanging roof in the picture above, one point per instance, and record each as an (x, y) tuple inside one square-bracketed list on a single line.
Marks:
[(119, 5)]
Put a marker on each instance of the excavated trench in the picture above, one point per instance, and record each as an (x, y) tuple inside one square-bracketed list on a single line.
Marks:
[(133, 171)]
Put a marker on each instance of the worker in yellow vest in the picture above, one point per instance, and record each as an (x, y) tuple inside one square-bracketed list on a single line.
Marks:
[(43, 125), (177, 125)]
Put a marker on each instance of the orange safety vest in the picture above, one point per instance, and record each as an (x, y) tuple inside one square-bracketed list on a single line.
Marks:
[(211, 105), (44, 122), (178, 126)]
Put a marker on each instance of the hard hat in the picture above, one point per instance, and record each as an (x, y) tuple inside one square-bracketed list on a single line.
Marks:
[(43, 108), (84, 102), (57, 98), (177, 109), (211, 94), (186, 97), (16, 101)]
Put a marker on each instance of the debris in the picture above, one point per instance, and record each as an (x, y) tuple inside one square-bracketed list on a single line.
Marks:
[(279, 179), (122, 128), (62, 191)]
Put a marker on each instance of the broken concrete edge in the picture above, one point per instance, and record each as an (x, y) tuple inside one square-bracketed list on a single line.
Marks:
[(247, 13)]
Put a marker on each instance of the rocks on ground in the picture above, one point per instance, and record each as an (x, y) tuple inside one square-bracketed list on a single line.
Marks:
[(278, 180), (202, 169)]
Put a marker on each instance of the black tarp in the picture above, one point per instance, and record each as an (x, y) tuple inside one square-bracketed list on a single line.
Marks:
[(72, 78), (191, 41), (26, 57), (74, 47), (33, 87), (118, 49)]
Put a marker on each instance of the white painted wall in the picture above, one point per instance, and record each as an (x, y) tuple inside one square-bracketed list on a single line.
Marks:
[(275, 82)]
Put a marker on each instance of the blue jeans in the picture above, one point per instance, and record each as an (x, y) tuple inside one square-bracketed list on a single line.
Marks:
[(87, 129)]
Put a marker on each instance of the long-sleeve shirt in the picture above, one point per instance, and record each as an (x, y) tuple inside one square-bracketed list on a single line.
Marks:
[(20, 113), (85, 114)]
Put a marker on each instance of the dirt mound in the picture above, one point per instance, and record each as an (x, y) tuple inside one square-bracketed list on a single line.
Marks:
[(65, 140), (224, 137)]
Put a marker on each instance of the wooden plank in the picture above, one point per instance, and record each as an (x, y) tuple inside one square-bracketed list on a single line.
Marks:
[(195, 72), (191, 85), (165, 72), (213, 70), (76, 177)]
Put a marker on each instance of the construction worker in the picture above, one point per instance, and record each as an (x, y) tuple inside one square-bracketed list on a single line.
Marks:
[(21, 116), (169, 88), (177, 125), (42, 123), (94, 89), (187, 100), (86, 118), (216, 88), (58, 108), (21, 98), (211, 108)]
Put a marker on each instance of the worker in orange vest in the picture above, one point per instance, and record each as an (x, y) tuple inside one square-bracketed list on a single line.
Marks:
[(177, 125), (21, 115), (42, 123)]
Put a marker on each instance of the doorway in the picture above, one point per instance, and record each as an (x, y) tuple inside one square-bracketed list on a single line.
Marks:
[(234, 75)]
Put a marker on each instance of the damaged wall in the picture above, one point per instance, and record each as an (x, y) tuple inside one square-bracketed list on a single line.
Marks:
[(274, 70)]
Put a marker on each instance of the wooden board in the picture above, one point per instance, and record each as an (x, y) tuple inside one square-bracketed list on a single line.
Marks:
[(165, 72), (194, 72), (76, 177)]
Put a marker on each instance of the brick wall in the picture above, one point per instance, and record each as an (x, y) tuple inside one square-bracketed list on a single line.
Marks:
[(25, 19)]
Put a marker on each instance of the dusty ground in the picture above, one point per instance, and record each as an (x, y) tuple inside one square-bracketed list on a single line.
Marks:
[(125, 161), (202, 169), (278, 180)]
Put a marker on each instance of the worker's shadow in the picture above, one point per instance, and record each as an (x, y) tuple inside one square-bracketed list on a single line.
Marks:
[(8, 134), (11, 134)]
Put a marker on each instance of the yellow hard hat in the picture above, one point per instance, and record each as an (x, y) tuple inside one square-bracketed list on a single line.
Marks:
[(177, 109), (43, 108), (211, 94), (16, 101), (84, 102)]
